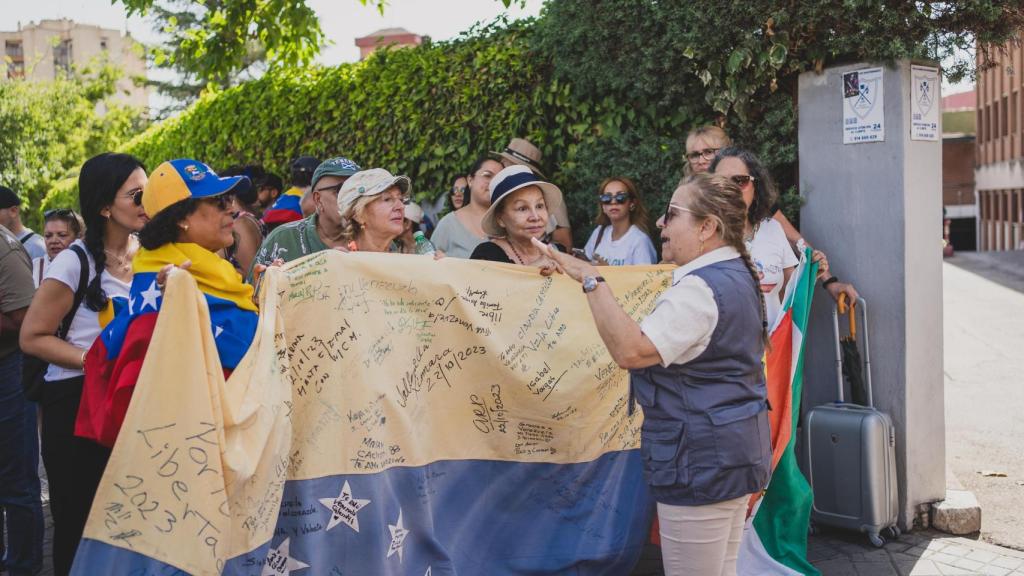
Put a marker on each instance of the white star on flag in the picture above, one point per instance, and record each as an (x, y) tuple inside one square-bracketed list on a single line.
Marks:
[(149, 296), (131, 303), (427, 573), (280, 562), (344, 508), (216, 331), (398, 534)]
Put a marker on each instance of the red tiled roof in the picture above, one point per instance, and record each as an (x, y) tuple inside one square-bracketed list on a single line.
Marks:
[(960, 101)]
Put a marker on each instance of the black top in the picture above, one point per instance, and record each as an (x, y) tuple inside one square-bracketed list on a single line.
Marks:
[(490, 251), (494, 253)]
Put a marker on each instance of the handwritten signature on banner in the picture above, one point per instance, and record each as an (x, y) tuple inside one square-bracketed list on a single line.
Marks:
[(361, 362)]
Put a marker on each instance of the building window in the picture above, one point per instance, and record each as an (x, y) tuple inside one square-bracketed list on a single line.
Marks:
[(15, 56), (1004, 120), (1013, 114), (103, 43), (62, 58)]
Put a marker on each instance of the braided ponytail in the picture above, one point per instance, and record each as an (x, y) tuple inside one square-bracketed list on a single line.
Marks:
[(98, 182), (721, 201)]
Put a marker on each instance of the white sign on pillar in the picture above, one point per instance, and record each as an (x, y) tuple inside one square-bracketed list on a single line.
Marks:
[(863, 112), (924, 103)]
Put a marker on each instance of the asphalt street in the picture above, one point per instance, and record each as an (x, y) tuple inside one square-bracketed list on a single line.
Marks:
[(984, 371)]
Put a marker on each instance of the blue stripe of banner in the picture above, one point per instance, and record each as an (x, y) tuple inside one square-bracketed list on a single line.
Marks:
[(462, 517)]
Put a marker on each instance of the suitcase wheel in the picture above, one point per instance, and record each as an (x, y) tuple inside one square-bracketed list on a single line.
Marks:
[(876, 540)]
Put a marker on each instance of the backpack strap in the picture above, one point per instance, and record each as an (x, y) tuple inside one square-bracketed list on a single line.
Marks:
[(600, 234), (83, 283), (27, 237)]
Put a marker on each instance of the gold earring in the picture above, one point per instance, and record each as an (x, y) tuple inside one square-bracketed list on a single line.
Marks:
[(184, 227)]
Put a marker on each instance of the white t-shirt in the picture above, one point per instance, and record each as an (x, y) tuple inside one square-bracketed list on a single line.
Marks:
[(634, 247), (772, 254), (85, 327), (685, 316), (39, 267), (33, 243)]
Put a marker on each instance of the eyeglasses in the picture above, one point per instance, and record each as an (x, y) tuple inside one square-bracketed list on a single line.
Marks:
[(335, 188), (59, 213), (619, 198), (460, 189), (742, 180), (669, 214), (705, 154), (221, 202), (136, 195)]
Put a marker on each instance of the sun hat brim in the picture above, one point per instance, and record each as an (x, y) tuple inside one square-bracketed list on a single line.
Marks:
[(552, 199)]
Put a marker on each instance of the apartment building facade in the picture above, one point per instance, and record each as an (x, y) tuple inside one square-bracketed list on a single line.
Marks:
[(50, 48), (999, 175)]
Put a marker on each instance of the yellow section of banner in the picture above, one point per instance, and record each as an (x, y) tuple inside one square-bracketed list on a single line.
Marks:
[(361, 362)]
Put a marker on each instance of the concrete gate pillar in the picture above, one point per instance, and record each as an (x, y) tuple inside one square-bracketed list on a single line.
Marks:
[(876, 209)]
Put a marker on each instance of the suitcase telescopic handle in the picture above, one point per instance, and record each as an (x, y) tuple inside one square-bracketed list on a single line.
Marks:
[(841, 308)]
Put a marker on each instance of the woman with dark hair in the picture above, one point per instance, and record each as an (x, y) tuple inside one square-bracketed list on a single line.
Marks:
[(621, 237), (460, 232), (249, 230), (110, 194), (457, 197), (771, 252), (190, 222)]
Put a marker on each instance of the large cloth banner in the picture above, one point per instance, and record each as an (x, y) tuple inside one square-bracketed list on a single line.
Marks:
[(393, 415)]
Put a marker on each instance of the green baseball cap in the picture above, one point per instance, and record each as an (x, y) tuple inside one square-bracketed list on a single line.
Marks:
[(334, 167)]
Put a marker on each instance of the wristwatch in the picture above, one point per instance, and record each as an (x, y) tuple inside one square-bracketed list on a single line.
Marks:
[(590, 283)]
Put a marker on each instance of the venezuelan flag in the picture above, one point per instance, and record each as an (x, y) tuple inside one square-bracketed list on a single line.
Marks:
[(285, 209), (370, 431), (115, 360)]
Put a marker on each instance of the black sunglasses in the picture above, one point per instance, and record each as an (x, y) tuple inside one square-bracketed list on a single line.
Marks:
[(619, 198), (136, 196), (741, 180), (221, 202), (59, 213)]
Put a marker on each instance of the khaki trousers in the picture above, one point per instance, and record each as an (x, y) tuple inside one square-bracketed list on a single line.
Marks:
[(701, 540)]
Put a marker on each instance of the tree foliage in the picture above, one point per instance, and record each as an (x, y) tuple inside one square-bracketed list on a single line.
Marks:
[(177, 20), (47, 129), (732, 54)]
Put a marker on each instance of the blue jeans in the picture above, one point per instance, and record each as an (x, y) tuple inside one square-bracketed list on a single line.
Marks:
[(19, 471)]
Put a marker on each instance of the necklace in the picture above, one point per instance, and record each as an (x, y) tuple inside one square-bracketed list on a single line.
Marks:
[(121, 262), (516, 252)]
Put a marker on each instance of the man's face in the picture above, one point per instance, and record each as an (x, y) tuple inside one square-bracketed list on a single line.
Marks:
[(266, 195), (8, 216), (325, 196)]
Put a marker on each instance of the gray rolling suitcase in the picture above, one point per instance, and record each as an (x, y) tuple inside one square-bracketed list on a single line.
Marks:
[(851, 457)]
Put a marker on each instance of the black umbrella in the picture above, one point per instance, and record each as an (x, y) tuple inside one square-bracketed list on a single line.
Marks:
[(853, 366)]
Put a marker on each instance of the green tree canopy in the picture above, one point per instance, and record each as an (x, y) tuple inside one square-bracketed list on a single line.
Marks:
[(47, 129)]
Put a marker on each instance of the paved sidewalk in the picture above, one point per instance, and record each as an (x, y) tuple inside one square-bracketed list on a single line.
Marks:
[(924, 553)]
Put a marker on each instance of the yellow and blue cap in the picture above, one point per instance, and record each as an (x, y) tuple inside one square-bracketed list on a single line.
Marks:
[(177, 180)]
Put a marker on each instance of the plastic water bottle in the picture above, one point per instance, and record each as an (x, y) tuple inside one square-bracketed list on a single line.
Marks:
[(423, 246)]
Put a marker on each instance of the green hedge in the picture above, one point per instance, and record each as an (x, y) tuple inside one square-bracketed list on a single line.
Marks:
[(429, 112)]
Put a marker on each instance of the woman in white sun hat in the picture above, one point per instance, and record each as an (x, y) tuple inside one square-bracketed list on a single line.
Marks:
[(520, 206)]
